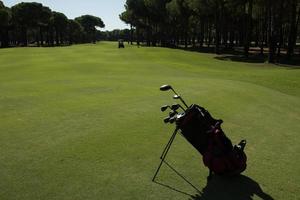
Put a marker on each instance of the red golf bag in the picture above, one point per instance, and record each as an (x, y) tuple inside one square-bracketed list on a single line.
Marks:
[(206, 135)]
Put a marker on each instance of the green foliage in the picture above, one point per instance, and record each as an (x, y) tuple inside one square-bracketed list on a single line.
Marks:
[(76, 31), (27, 14), (225, 24), (117, 34), (1, 5), (138, 7), (5, 22), (5, 16), (45, 16), (126, 17), (157, 10), (59, 21), (89, 24), (34, 23)]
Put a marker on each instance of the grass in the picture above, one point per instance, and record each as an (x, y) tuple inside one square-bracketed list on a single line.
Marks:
[(83, 122)]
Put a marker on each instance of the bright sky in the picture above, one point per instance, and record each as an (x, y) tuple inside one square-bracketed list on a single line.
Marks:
[(107, 10)]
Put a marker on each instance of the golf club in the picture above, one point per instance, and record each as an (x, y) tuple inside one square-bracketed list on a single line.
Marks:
[(176, 107), (173, 119), (169, 87), (172, 113), (164, 108), (167, 120), (176, 96)]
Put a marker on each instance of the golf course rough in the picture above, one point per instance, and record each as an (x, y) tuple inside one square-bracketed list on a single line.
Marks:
[(84, 122)]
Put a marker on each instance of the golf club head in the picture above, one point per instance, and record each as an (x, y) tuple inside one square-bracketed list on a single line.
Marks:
[(165, 87), (175, 107), (172, 114), (167, 120), (173, 119), (176, 97), (164, 108)]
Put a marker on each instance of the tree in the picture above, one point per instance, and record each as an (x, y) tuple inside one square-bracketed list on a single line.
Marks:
[(248, 26), (45, 15), (75, 31), (225, 23), (89, 24), (181, 12), (60, 24), (5, 19), (26, 16), (294, 22), (155, 21), (127, 17), (135, 16), (36, 24)]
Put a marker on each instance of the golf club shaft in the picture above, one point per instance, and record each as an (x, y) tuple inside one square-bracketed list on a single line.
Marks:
[(182, 108), (183, 102), (181, 99)]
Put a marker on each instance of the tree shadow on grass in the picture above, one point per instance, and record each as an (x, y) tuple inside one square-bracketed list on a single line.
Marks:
[(242, 58), (231, 188), (237, 55), (210, 50)]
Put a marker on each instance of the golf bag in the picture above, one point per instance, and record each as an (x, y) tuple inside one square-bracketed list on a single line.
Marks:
[(206, 135)]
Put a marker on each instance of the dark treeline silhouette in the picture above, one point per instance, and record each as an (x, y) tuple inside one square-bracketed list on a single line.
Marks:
[(269, 25), (34, 24), (116, 34)]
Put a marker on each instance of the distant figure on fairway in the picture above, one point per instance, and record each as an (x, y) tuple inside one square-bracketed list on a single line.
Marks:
[(121, 44)]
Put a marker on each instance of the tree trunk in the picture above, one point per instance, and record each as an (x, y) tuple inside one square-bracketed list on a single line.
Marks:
[(293, 30), (94, 36), (51, 36), (41, 36), (262, 36), (185, 39), (225, 36), (4, 37), (24, 36), (270, 33), (231, 39), (257, 36), (248, 29), (202, 33), (209, 35), (217, 36), (138, 36), (61, 40), (263, 29), (37, 36), (131, 34), (148, 33), (57, 37)]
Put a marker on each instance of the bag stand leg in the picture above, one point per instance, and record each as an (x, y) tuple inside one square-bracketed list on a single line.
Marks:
[(163, 156), (165, 152)]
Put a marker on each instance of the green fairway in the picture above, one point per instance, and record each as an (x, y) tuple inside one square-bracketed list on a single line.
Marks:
[(84, 122)]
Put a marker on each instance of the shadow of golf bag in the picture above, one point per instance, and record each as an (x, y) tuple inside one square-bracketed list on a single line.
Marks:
[(206, 135), (204, 132)]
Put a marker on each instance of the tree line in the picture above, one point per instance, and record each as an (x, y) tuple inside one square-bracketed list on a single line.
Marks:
[(269, 25), (116, 34), (34, 24)]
